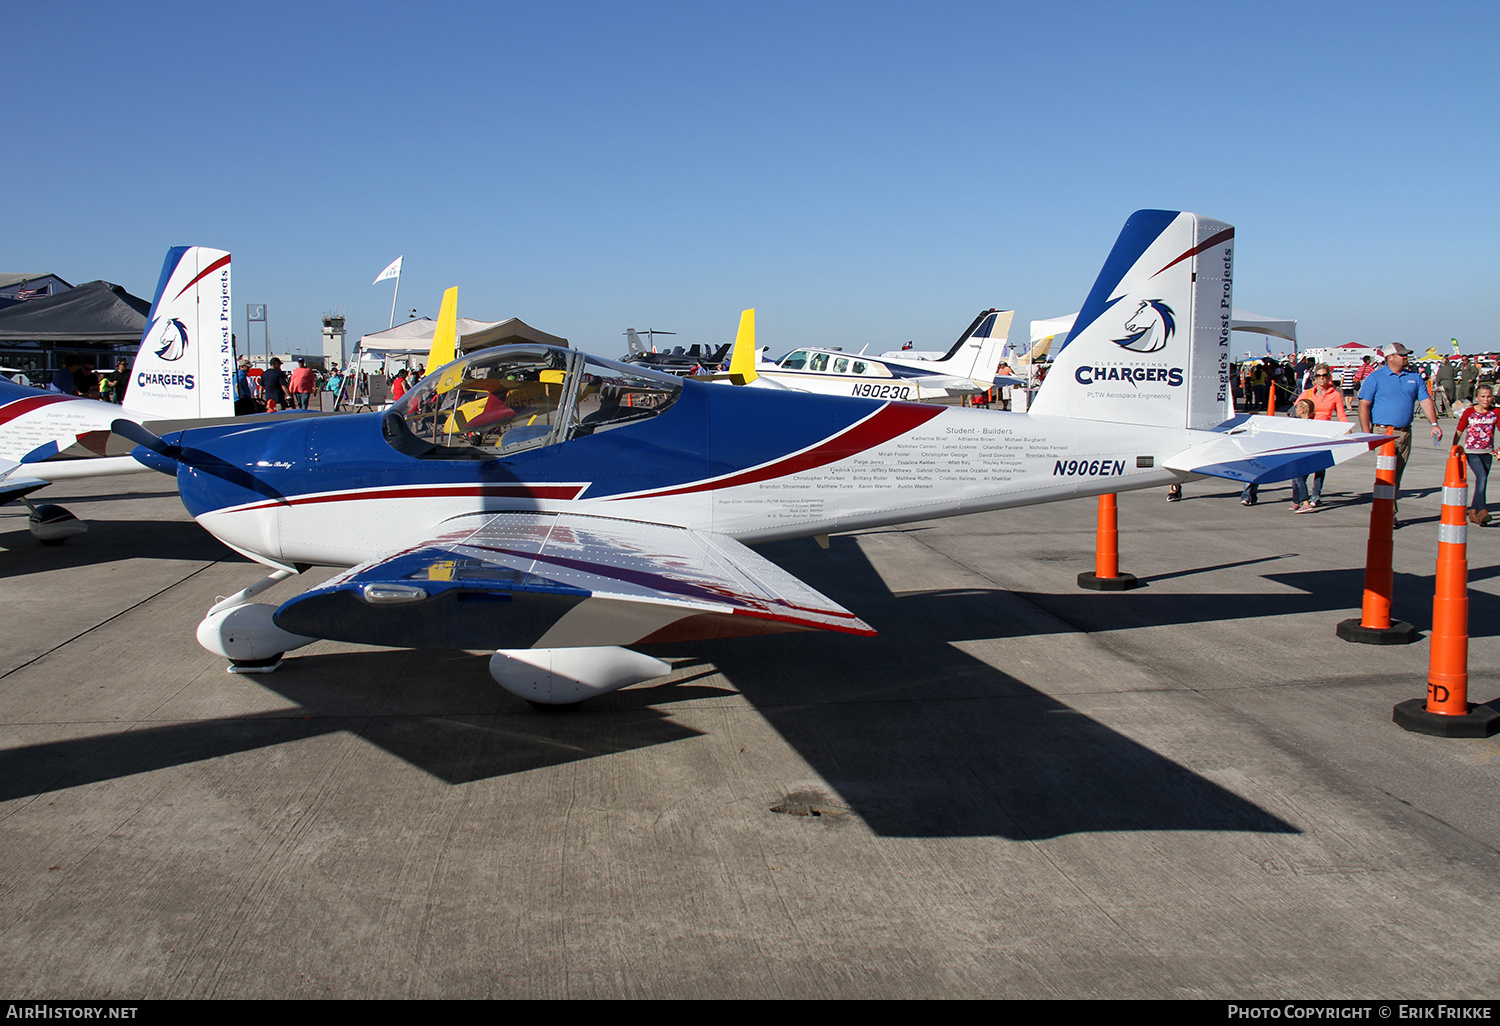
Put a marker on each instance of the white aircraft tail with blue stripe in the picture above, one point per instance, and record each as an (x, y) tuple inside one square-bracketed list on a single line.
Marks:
[(1151, 344), (1150, 348), (185, 367), (977, 352)]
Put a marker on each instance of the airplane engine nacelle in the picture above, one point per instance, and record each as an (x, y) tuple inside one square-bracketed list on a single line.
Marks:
[(246, 637), (51, 524), (563, 676)]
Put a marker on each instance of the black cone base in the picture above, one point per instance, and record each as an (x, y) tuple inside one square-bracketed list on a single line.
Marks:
[(1479, 721), (1398, 633), (1124, 582)]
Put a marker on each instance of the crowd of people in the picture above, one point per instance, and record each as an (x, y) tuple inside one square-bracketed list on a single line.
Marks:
[(275, 389), (1457, 376), (1386, 398), (79, 376)]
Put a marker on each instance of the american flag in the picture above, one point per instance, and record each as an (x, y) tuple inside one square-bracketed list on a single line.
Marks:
[(36, 293)]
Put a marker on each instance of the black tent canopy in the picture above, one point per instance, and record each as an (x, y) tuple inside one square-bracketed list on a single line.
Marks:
[(96, 316), (95, 311)]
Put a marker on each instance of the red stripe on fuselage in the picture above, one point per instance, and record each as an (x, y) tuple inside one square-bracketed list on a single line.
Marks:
[(893, 420), (436, 491), (21, 407), (205, 273)]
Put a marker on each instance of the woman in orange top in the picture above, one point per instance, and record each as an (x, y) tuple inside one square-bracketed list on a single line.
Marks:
[(1326, 399)]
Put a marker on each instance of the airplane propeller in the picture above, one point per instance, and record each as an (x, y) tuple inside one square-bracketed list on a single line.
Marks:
[(190, 457)]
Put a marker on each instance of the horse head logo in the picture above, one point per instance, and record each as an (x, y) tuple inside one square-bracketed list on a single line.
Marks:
[(172, 343), (1151, 326)]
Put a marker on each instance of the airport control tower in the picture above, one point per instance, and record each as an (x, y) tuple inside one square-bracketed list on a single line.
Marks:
[(333, 338)]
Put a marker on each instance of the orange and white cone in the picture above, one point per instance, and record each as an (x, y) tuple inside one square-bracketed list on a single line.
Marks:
[(1446, 711), (1374, 626)]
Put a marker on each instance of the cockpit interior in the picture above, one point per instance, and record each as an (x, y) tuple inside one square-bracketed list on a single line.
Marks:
[(506, 400)]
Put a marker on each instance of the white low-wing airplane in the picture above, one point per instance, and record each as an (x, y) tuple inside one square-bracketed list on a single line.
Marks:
[(556, 507), (968, 368), (183, 371)]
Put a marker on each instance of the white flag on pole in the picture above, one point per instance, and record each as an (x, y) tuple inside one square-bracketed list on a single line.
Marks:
[(393, 271)]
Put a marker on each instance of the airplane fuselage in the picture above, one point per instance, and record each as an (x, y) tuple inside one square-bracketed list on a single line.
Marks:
[(747, 463)]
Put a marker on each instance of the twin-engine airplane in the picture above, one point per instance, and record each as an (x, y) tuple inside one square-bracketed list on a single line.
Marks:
[(183, 371), (556, 507)]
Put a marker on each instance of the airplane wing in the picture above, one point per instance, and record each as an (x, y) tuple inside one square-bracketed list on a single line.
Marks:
[(15, 487), (541, 580), (1258, 450)]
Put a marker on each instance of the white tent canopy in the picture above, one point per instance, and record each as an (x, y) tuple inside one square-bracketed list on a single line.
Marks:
[(414, 337), (1239, 320), (1244, 320)]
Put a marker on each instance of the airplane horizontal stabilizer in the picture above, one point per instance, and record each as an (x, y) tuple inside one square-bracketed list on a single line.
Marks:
[(1262, 450), (538, 580)]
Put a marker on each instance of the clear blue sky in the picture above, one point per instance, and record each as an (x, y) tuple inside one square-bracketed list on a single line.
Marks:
[(858, 172)]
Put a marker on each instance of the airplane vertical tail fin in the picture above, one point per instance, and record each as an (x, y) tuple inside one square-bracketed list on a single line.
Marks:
[(634, 344), (445, 336), (977, 352), (185, 366), (742, 355), (1151, 344), (445, 341)]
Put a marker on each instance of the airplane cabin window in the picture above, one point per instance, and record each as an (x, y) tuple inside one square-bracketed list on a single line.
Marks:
[(841, 365), (794, 361), (610, 395), (488, 404), (819, 362)]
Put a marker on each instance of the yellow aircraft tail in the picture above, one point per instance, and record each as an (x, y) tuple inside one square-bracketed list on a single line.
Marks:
[(445, 342), (742, 356), (445, 338)]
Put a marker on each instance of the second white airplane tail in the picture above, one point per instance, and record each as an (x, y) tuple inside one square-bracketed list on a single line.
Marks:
[(977, 352), (185, 367), (1151, 344)]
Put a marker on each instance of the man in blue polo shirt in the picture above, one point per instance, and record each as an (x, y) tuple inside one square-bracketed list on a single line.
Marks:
[(1387, 403)]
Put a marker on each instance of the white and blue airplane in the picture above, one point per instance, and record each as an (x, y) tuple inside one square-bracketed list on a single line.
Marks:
[(967, 368), (555, 507), (184, 371)]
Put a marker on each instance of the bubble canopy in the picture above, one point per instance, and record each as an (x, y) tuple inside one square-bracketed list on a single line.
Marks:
[(509, 399)]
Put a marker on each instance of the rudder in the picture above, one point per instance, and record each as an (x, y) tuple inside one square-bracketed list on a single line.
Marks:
[(185, 366), (1151, 344)]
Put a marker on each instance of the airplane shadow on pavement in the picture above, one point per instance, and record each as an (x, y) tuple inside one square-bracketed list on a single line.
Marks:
[(923, 740), (438, 711), (916, 737)]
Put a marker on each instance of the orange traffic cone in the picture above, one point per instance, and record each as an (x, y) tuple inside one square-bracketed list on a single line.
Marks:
[(1446, 711), (1106, 575), (1374, 626)]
